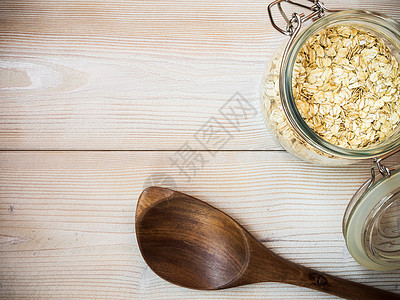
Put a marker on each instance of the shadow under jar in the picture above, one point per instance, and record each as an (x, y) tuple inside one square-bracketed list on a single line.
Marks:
[(331, 96)]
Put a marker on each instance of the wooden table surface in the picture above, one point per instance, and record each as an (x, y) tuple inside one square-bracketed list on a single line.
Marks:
[(100, 99)]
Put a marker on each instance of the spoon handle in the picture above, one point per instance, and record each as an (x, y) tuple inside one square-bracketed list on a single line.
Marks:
[(343, 288), (267, 266)]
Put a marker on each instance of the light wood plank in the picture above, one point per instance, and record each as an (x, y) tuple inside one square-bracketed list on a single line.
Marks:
[(67, 231), (134, 74)]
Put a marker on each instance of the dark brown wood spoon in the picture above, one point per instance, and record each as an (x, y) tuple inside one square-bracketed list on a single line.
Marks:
[(192, 244)]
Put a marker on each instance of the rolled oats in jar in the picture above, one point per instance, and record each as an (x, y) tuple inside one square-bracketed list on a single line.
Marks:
[(335, 98)]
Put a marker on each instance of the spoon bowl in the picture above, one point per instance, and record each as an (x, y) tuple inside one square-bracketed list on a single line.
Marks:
[(192, 244), (167, 235)]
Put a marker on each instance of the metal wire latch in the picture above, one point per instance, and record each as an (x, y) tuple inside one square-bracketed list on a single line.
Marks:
[(382, 169), (317, 11), (385, 171)]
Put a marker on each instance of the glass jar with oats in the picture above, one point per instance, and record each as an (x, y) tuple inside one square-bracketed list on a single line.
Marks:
[(331, 96)]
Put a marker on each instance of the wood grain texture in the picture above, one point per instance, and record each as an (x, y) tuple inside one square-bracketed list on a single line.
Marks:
[(134, 74), (147, 75), (67, 221)]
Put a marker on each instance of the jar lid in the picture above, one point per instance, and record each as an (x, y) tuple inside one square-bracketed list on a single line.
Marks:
[(371, 224)]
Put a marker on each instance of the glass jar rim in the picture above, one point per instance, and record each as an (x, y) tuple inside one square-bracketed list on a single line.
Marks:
[(387, 27)]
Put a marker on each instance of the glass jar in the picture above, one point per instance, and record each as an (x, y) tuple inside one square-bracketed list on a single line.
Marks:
[(371, 224), (279, 107)]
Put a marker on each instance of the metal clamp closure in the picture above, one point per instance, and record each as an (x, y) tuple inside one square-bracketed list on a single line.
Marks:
[(318, 10), (385, 171)]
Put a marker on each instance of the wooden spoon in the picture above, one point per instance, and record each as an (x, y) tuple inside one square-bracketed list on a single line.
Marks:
[(192, 244)]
